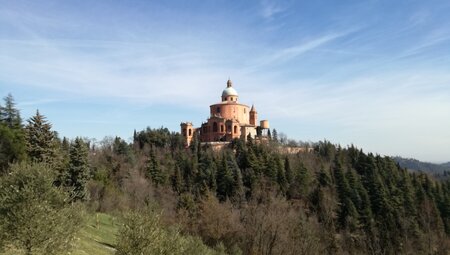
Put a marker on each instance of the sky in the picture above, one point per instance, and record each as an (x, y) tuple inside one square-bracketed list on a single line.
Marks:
[(375, 74)]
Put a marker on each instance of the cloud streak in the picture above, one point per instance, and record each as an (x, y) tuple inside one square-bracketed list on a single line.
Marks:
[(269, 9)]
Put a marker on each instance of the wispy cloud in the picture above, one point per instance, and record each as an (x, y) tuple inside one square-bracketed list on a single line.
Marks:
[(435, 37), (278, 56), (271, 8), (120, 70)]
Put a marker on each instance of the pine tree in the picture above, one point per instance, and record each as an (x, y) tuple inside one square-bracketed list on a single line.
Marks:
[(241, 154), (65, 145), (9, 114), (288, 171), (177, 180), (78, 171), (275, 135), (347, 213), (323, 177), (281, 176), (12, 146), (154, 171), (225, 180), (271, 169), (238, 192), (40, 139), (205, 178), (299, 188)]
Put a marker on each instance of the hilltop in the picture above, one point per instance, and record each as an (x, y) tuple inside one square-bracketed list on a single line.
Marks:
[(252, 196), (438, 170)]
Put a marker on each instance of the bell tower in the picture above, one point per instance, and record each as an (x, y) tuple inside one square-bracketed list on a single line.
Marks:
[(253, 116), (187, 131)]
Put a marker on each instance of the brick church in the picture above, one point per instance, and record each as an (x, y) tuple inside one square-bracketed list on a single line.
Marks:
[(229, 119)]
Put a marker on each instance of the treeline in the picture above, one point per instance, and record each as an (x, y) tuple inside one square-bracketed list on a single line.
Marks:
[(438, 171), (248, 198)]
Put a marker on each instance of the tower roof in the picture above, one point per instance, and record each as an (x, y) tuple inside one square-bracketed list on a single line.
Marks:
[(253, 108)]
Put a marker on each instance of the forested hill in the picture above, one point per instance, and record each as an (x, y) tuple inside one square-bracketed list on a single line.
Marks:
[(249, 198), (437, 170)]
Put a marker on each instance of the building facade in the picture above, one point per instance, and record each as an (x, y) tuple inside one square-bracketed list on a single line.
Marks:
[(228, 120)]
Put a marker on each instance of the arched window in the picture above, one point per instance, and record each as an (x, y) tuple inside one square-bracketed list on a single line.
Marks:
[(235, 129), (221, 128), (215, 127), (190, 132)]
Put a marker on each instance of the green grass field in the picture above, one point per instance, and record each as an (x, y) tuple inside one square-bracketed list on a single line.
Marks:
[(98, 236)]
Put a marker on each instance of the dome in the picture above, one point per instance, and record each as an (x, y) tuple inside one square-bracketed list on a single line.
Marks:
[(230, 91)]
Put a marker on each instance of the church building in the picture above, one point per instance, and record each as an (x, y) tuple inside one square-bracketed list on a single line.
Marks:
[(229, 119)]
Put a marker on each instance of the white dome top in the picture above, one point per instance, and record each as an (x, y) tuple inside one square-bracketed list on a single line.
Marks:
[(230, 91)]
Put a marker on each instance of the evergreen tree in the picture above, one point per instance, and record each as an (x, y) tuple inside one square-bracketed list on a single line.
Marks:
[(281, 175), (275, 135), (271, 169), (225, 180), (205, 179), (347, 213), (300, 185), (9, 114), (78, 171), (238, 192), (40, 139), (241, 153), (65, 145), (288, 171), (154, 171), (323, 177), (12, 147), (177, 180)]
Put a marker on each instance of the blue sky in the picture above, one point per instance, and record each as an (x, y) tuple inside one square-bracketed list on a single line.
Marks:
[(372, 73)]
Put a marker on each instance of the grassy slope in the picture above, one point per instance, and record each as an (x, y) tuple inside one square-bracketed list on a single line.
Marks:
[(97, 239), (92, 239)]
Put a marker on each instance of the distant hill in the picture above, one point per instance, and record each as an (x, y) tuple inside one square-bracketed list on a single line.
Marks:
[(437, 170)]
